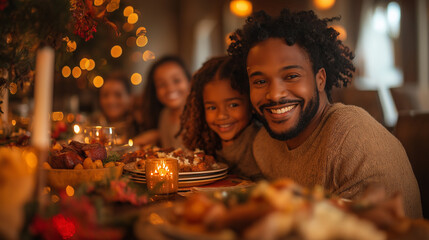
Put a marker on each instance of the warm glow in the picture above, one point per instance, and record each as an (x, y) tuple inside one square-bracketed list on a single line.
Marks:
[(128, 10), (342, 31), (76, 129), (66, 71), (141, 41), (31, 160), (71, 46), (70, 117), (323, 4), (116, 51), (112, 6), (91, 65), (131, 41), (241, 8), (148, 55), (98, 81), (13, 88), (13, 122), (55, 198), (76, 72), (57, 116), (136, 79), (98, 2), (69, 191), (141, 31), (84, 63), (130, 142), (133, 18)]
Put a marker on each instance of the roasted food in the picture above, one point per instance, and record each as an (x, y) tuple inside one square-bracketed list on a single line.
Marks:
[(70, 155), (188, 161)]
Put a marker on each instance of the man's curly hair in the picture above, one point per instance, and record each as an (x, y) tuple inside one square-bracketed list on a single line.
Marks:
[(194, 130), (309, 32)]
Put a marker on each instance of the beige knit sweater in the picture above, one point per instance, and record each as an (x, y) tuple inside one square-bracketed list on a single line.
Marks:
[(348, 151), (239, 156)]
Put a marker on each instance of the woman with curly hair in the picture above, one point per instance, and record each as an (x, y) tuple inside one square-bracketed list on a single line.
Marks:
[(217, 117), (293, 61), (164, 98)]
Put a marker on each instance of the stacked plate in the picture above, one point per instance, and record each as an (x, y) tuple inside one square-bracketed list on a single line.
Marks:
[(186, 179)]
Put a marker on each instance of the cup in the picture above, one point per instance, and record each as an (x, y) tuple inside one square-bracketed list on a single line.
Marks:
[(162, 175), (103, 135)]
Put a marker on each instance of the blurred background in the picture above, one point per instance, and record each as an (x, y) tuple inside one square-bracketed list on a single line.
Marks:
[(389, 38)]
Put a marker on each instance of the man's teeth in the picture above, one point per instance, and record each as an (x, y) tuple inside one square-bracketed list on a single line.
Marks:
[(282, 110)]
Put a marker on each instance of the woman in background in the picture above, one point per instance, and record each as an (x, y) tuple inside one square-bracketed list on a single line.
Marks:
[(164, 98), (115, 101)]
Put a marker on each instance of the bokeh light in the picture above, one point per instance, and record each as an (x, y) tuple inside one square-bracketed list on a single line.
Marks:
[(323, 4), (112, 6), (76, 129), (31, 159), (57, 116), (133, 18), (69, 191), (71, 46), (241, 8), (98, 81), (91, 65), (13, 88), (130, 142), (342, 31), (66, 71), (116, 51), (76, 72), (128, 10), (70, 117), (148, 55), (141, 41), (98, 2), (141, 31), (136, 78), (84, 63)]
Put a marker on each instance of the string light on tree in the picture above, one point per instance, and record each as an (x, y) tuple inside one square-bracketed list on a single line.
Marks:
[(323, 4), (136, 79), (84, 63), (141, 41), (241, 8), (66, 71), (98, 2), (91, 65), (98, 81), (141, 31), (116, 51), (133, 18), (148, 55), (76, 72), (128, 11)]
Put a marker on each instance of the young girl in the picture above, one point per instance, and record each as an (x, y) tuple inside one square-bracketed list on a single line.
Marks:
[(164, 98), (217, 117)]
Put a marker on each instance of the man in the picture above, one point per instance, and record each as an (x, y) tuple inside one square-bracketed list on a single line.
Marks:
[(293, 61)]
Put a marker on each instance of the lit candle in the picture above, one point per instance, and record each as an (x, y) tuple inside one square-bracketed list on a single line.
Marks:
[(162, 175), (43, 89)]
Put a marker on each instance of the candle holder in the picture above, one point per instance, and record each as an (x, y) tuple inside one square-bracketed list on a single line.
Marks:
[(162, 175)]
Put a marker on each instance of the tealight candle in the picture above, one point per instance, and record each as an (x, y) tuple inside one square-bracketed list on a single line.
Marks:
[(162, 175)]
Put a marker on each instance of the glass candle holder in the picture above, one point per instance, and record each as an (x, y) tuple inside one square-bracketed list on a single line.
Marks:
[(162, 175), (103, 135)]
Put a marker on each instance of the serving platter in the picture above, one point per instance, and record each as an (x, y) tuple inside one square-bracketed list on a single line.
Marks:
[(189, 183), (132, 177)]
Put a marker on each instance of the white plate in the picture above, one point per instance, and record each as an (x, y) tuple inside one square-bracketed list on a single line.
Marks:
[(131, 167), (192, 183)]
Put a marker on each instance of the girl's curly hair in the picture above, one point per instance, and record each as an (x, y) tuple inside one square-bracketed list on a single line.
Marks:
[(309, 32), (194, 130)]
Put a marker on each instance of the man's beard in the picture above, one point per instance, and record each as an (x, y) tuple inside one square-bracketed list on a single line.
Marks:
[(305, 118)]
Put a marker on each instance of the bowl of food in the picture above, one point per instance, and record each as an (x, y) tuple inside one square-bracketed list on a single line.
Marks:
[(78, 163)]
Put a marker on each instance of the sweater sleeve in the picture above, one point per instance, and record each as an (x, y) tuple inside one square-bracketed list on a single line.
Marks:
[(369, 154)]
